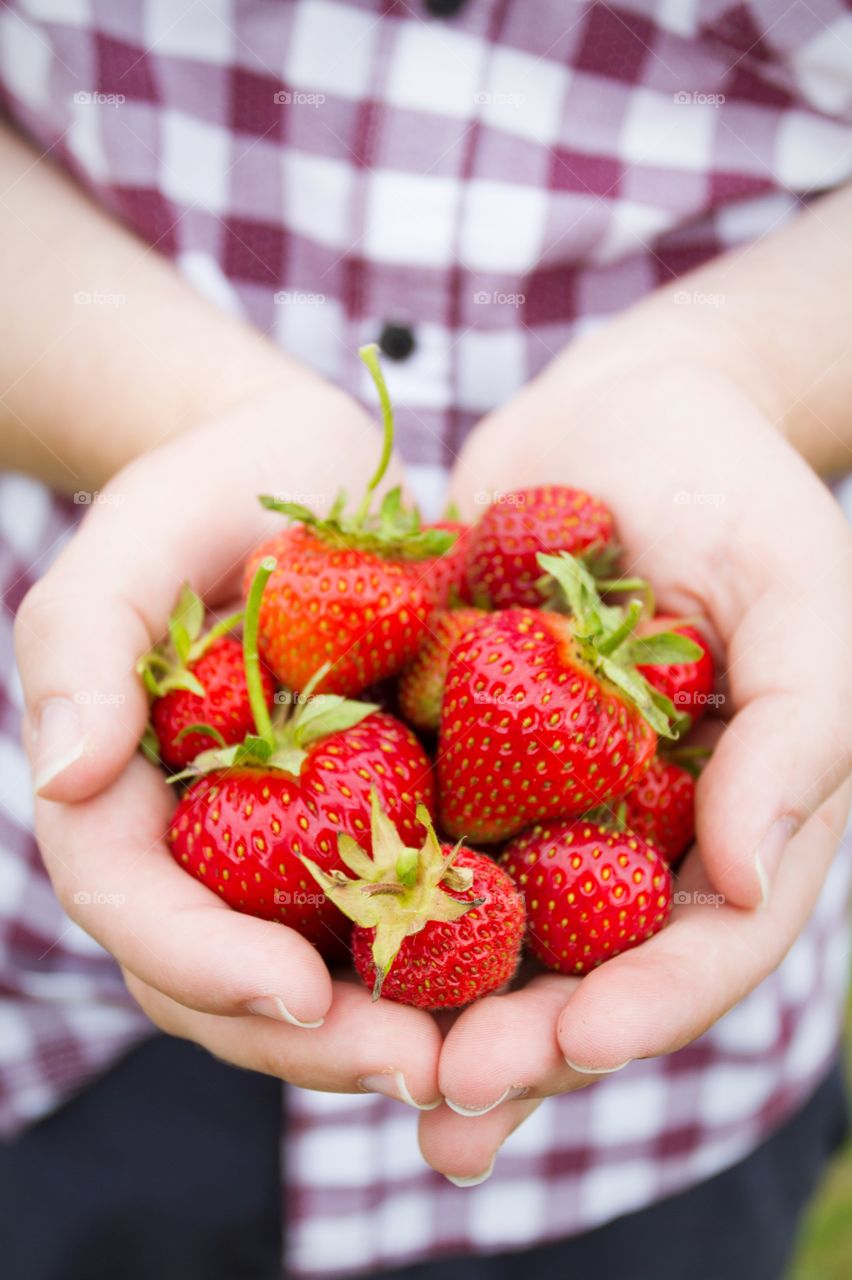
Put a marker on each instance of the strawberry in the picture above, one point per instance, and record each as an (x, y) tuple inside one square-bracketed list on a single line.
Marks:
[(450, 568), (502, 564), (421, 685), (661, 808), (591, 891), (295, 785), (688, 685), (435, 927), (545, 715), (352, 591), (197, 678)]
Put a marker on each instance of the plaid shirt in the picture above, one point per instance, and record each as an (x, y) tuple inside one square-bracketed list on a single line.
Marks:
[(497, 180)]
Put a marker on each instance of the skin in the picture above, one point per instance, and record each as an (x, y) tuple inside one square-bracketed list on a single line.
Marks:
[(737, 401)]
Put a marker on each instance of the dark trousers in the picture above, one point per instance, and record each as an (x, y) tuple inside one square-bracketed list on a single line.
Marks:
[(168, 1168)]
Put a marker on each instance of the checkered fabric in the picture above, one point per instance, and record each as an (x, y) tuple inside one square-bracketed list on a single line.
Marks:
[(498, 180)]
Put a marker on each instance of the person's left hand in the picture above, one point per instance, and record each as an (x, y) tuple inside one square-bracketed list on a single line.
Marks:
[(777, 593)]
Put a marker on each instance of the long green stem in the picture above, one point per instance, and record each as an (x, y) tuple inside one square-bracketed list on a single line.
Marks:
[(370, 355), (251, 659)]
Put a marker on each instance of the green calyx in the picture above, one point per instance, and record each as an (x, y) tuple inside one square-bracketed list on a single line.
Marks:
[(394, 530), (281, 740), (397, 891), (167, 665), (605, 634)]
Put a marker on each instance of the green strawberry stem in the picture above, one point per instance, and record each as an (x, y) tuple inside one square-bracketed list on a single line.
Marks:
[(395, 530), (251, 658), (215, 633), (370, 356), (609, 643)]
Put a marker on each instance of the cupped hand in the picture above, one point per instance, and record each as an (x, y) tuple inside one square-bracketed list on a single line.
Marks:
[(727, 522), (252, 991)]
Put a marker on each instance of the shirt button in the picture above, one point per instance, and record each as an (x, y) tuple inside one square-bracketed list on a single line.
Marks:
[(397, 341), (443, 8)]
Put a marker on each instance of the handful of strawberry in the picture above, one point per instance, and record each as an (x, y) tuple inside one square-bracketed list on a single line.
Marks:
[(546, 703)]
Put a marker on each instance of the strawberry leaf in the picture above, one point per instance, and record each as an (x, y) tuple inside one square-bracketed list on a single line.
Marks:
[(663, 648)]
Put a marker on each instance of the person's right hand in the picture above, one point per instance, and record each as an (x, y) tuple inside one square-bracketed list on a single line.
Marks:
[(243, 987)]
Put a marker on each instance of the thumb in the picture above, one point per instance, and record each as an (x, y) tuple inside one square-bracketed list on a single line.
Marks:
[(787, 749), (85, 706)]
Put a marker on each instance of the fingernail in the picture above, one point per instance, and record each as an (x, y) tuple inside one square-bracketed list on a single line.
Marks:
[(471, 1182), (512, 1092), (768, 854), (392, 1085), (274, 1007), (59, 740), (597, 1071)]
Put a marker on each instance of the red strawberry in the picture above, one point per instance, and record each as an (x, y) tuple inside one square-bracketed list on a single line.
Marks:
[(591, 892), (450, 568), (421, 685), (295, 786), (688, 685), (435, 927), (197, 679), (354, 591), (545, 715), (502, 565), (661, 808)]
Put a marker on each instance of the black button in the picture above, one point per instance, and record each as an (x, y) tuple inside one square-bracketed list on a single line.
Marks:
[(443, 8), (397, 341)]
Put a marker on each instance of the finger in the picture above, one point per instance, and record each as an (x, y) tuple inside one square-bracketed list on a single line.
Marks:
[(103, 603), (505, 1047), (788, 748), (664, 994), (361, 1047), (464, 1149), (115, 877)]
